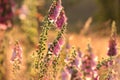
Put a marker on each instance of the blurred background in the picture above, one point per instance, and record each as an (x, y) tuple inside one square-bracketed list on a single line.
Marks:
[(78, 11), (21, 20)]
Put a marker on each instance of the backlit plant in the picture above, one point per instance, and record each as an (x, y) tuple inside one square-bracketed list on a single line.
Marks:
[(44, 57), (55, 61)]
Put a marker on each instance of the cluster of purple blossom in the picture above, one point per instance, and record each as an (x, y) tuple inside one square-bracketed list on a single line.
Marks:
[(58, 18), (87, 67), (57, 45), (57, 14), (79, 66), (6, 14)]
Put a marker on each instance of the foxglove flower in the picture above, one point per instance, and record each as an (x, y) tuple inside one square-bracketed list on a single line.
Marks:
[(92, 56), (61, 20), (6, 13), (17, 52), (77, 60), (55, 9), (56, 49), (112, 51), (112, 47), (88, 66)]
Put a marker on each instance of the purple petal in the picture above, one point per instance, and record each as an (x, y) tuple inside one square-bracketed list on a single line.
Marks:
[(61, 20), (55, 10)]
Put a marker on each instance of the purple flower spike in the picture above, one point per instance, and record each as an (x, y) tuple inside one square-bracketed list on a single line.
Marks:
[(112, 51), (61, 20), (112, 47), (17, 52), (56, 49), (55, 9), (88, 66)]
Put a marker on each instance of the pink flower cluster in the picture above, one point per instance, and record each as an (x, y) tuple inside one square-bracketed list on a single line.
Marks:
[(61, 20), (57, 46), (89, 66), (73, 65), (112, 51), (16, 53), (54, 10), (112, 46), (82, 66), (86, 67), (6, 14), (57, 14)]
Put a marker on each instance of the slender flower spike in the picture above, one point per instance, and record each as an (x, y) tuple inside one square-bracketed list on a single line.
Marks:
[(89, 64), (112, 51), (78, 59), (61, 20), (54, 10), (92, 55), (17, 52)]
